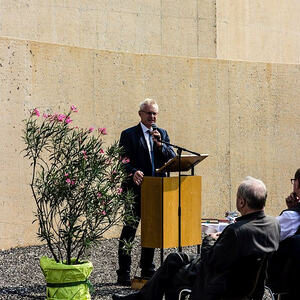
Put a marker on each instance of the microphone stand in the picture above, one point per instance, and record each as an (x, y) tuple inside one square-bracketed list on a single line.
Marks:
[(179, 152)]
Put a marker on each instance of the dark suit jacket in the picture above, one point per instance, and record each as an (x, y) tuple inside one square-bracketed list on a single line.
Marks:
[(224, 267), (135, 148)]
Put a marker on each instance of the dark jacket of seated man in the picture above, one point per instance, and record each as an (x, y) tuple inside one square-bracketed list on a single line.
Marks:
[(212, 276), (227, 268)]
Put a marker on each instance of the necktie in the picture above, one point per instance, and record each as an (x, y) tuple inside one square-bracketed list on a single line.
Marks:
[(151, 153)]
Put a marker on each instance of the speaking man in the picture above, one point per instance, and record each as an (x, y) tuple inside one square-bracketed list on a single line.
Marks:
[(145, 152)]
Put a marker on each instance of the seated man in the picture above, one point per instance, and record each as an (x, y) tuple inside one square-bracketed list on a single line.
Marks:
[(284, 266), (289, 219), (252, 234)]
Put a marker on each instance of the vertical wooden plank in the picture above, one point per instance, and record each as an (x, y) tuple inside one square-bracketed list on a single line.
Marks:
[(151, 212), (170, 212), (191, 210)]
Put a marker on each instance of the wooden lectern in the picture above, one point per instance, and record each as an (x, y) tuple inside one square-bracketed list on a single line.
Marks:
[(162, 224)]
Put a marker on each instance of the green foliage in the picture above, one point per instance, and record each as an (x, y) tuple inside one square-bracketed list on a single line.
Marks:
[(75, 183)]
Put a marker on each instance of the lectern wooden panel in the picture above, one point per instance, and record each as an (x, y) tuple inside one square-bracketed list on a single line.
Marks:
[(159, 222)]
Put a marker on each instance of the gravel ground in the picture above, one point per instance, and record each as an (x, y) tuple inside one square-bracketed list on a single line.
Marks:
[(21, 277)]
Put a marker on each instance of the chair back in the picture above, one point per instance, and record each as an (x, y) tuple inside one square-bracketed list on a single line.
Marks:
[(245, 281), (284, 266), (247, 278)]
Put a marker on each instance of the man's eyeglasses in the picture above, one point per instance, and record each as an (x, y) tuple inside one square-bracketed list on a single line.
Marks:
[(293, 180), (149, 113)]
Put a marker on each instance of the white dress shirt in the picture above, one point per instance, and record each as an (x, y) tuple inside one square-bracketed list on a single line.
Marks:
[(289, 223), (146, 135)]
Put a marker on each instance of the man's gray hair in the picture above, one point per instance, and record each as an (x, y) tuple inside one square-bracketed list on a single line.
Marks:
[(148, 101), (254, 192)]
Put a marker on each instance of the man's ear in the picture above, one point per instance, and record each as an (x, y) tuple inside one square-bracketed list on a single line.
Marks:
[(242, 202)]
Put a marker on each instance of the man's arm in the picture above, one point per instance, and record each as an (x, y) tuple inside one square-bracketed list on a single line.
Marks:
[(164, 150), (126, 144), (215, 266), (289, 223), (224, 252)]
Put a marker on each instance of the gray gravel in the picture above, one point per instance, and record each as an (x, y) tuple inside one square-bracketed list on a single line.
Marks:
[(21, 277)]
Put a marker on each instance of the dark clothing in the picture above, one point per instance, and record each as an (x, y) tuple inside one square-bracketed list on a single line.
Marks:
[(252, 234), (212, 276), (135, 148), (283, 269), (284, 265)]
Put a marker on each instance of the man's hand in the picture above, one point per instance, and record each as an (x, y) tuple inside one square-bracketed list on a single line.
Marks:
[(156, 137), (215, 235), (138, 177), (291, 200)]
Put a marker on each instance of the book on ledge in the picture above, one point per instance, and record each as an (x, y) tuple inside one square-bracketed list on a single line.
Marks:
[(186, 163)]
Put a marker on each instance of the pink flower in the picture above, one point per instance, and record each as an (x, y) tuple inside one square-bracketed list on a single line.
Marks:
[(68, 120), (68, 180), (66, 174), (45, 115), (91, 129), (101, 151), (99, 195), (36, 112), (72, 182), (102, 131), (84, 154), (119, 191), (103, 212), (125, 160), (61, 117), (74, 108)]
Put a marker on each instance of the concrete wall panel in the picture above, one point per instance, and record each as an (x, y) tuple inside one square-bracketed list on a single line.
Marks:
[(258, 30), (154, 27)]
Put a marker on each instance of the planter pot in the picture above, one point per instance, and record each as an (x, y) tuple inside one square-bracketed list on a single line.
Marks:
[(66, 281)]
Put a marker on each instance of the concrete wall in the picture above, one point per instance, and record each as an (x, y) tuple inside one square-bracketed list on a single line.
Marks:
[(258, 30), (253, 30), (138, 26), (243, 114)]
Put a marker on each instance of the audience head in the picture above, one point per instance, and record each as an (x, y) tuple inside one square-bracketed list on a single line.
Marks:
[(296, 183), (251, 195)]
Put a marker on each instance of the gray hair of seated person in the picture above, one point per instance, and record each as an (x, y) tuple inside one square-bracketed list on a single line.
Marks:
[(254, 192)]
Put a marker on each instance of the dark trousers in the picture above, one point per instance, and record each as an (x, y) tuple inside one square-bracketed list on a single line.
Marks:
[(128, 234), (173, 275)]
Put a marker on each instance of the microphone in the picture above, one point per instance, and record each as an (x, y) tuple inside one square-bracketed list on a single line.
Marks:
[(154, 126)]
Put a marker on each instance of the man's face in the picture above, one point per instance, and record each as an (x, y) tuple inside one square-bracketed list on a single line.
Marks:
[(148, 115), (296, 187)]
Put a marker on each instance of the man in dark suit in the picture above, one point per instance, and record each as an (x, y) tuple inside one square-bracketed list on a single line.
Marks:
[(220, 271), (144, 152)]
